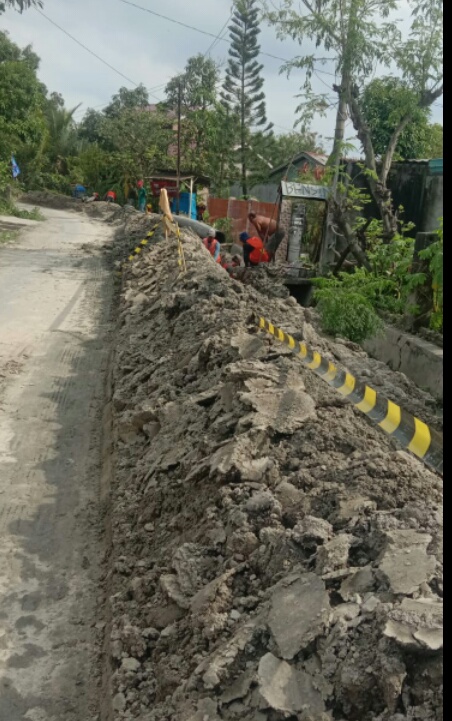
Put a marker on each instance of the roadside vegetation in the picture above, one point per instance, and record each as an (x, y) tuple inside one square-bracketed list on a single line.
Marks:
[(226, 136), (8, 236)]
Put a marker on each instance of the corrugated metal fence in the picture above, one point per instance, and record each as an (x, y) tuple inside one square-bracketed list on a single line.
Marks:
[(237, 211)]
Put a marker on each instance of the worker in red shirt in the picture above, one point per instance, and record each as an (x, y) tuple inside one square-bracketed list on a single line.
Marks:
[(110, 197), (230, 265), (214, 247)]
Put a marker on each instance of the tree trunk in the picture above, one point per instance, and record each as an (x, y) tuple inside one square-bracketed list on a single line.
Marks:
[(243, 138), (378, 183)]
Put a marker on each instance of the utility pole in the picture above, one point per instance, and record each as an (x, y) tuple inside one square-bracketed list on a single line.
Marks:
[(179, 116)]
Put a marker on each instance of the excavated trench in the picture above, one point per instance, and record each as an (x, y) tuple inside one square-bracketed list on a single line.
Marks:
[(273, 554)]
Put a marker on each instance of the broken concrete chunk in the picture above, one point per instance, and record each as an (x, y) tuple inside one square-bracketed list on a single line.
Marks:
[(352, 507), (314, 529), (234, 461), (346, 612), (285, 689), (280, 409), (358, 583), (299, 613), (141, 417), (417, 623), (249, 346), (405, 562), (170, 585), (239, 689), (288, 496), (263, 502), (207, 711), (333, 555), (130, 664), (187, 561)]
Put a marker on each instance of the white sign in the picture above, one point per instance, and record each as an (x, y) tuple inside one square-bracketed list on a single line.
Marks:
[(305, 190)]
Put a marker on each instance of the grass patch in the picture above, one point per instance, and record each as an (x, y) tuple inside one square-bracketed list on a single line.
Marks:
[(10, 209), (8, 236)]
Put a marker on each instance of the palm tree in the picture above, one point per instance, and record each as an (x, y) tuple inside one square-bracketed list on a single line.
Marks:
[(62, 139)]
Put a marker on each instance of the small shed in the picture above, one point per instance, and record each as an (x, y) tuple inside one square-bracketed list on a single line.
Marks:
[(172, 182), (301, 164)]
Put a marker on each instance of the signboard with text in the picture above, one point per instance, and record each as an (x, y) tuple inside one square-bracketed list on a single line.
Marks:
[(170, 185), (305, 190)]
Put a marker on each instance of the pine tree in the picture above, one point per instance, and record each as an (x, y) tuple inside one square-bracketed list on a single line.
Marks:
[(242, 91)]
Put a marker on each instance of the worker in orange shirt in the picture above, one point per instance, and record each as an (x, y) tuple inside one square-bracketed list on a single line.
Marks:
[(254, 252)]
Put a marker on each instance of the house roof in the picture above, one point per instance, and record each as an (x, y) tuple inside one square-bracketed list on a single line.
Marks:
[(184, 176), (318, 158)]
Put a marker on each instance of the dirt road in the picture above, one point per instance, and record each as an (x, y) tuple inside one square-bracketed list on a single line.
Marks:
[(54, 323)]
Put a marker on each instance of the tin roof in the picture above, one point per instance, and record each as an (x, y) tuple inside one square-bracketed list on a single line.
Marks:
[(318, 158)]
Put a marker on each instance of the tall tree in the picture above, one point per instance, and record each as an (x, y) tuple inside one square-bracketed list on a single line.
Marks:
[(359, 34), (242, 91), (384, 102), (197, 92), (284, 147), (126, 99), (22, 99), (19, 5), (198, 85), (62, 139)]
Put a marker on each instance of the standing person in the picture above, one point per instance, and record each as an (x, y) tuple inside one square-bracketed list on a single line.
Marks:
[(142, 197), (214, 247), (266, 227)]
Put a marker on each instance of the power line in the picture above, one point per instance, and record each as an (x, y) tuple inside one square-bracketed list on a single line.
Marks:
[(207, 33), (88, 50), (212, 45), (192, 27)]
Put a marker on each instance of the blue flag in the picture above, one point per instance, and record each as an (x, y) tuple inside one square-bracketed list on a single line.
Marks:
[(14, 167)]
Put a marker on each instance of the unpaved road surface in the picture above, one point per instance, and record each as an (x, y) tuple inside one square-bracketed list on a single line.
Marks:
[(54, 313)]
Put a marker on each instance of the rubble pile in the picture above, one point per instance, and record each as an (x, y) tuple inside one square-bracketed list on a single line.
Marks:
[(274, 555)]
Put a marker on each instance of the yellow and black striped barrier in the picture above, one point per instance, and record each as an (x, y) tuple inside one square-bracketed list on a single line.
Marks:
[(143, 243), (409, 431)]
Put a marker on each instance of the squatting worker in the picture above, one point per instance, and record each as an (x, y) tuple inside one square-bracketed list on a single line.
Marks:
[(214, 247), (110, 197), (254, 252), (265, 227)]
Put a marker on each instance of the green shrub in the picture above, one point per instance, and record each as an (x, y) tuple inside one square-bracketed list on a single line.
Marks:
[(7, 208), (434, 254), (347, 313)]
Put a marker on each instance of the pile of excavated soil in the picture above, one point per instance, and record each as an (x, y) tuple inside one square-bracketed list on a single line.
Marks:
[(108, 212), (274, 555)]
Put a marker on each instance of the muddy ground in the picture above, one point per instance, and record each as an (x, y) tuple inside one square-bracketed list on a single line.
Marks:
[(273, 554)]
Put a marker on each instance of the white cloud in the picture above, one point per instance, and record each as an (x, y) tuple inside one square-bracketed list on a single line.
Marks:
[(148, 49)]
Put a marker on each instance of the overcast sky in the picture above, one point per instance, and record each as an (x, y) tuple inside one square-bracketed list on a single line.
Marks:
[(150, 50)]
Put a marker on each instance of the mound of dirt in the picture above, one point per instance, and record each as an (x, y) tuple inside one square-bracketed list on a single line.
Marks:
[(47, 199), (274, 555)]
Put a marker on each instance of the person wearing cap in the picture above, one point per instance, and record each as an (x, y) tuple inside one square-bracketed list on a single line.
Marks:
[(254, 252)]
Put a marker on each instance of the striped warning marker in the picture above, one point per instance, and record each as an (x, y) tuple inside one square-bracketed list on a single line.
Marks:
[(410, 432), (143, 243)]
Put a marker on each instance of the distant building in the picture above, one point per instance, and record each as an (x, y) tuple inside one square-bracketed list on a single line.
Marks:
[(297, 167)]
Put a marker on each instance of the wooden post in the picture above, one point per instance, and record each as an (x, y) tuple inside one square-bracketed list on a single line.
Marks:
[(179, 115), (191, 197)]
